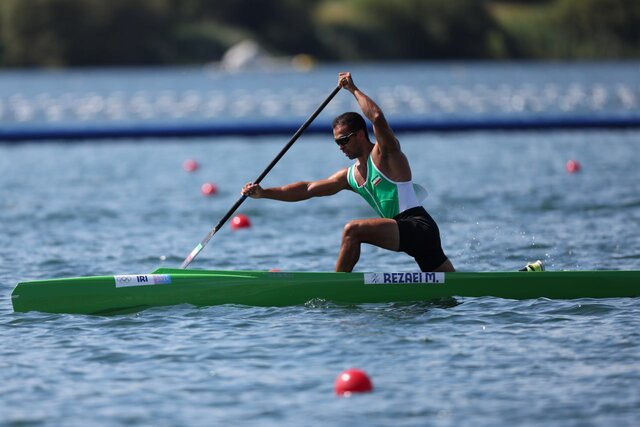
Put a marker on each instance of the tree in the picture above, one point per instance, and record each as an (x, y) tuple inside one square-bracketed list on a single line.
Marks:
[(85, 32), (411, 29), (593, 28)]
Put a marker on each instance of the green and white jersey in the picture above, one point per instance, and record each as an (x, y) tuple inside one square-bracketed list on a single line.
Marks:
[(388, 198)]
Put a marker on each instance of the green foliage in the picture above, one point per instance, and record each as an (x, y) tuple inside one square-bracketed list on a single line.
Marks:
[(592, 28), (282, 26), (580, 29), (411, 29), (86, 32), (57, 33)]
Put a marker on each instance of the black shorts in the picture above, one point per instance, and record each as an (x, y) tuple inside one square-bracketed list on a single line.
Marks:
[(420, 238)]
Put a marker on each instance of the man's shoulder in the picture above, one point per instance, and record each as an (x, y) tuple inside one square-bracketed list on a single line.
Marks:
[(379, 155), (393, 164)]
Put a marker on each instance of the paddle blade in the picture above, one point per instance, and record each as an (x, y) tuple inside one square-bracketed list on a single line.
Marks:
[(194, 253)]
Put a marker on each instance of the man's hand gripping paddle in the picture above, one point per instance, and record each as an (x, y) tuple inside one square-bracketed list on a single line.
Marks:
[(194, 253)]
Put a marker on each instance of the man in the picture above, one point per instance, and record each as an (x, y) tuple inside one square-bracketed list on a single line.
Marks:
[(381, 174)]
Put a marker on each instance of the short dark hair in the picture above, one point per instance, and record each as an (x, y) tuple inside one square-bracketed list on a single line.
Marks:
[(352, 120)]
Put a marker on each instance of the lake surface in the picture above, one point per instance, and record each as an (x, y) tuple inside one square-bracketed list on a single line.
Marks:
[(501, 199), (409, 93)]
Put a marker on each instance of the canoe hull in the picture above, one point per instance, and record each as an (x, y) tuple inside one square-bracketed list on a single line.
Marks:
[(129, 293)]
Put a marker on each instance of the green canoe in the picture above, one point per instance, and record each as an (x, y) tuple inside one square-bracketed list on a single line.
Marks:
[(165, 286)]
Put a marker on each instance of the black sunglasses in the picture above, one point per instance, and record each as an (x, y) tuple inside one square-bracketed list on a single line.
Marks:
[(343, 140)]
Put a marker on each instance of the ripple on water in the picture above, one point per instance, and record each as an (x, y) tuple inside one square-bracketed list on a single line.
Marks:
[(494, 361)]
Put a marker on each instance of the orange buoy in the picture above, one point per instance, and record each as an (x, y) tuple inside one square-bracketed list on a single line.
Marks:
[(353, 381), (240, 221), (573, 166), (208, 189), (190, 165)]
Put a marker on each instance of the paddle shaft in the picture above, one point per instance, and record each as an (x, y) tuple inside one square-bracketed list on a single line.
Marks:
[(194, 253)]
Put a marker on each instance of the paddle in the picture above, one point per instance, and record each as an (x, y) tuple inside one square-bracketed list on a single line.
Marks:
[(194, 253)]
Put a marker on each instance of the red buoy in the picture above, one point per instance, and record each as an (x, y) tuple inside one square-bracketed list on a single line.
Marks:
[(352, 381), (209, 189), (190, 165), (573, 166), (240, 221)]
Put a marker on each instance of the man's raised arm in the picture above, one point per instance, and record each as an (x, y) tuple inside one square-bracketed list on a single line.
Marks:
[(381, 129)]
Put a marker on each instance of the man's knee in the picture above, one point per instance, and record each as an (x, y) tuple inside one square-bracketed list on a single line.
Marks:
[(353, 231)]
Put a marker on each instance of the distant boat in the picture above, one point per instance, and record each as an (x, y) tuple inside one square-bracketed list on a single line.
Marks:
[(249, 55)]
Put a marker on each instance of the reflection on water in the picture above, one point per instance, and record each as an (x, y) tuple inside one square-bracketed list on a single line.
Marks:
[(501, 199), (113, 97)]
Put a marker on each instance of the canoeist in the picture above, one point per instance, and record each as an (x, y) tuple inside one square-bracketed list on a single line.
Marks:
[(382, 176)]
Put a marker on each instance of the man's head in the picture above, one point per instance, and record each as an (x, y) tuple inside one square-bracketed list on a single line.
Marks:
[(353, 121), (347, 127)]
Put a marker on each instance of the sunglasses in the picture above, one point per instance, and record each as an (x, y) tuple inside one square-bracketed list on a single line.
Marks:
[(343, 140)]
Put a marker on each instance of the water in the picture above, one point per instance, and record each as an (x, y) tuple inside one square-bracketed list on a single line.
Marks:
[(501, 199), (412, 92)]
